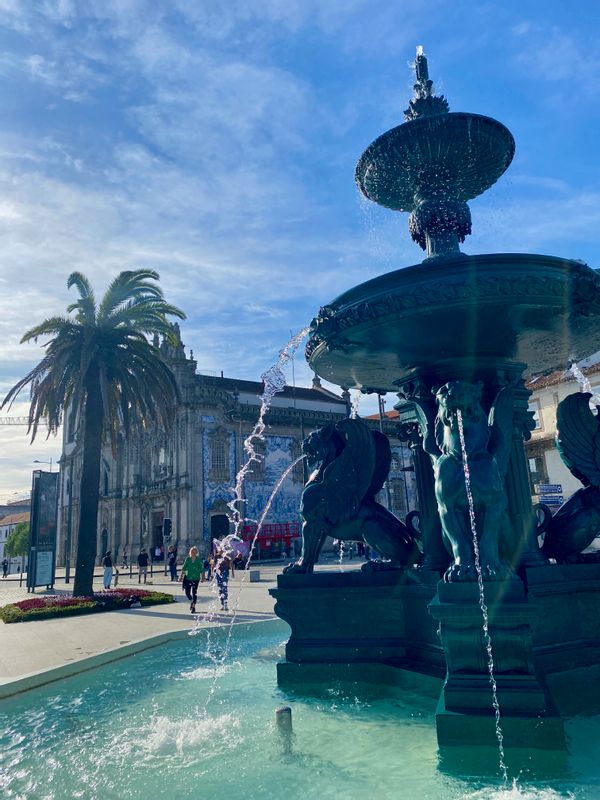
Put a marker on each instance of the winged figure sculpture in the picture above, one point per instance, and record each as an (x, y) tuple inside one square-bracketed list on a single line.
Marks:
[(577, 522)]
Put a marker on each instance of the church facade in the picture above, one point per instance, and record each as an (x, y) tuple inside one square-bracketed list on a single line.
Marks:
[(188, 475)]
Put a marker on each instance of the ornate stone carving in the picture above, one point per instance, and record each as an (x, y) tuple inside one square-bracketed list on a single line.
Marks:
[(330, 324)]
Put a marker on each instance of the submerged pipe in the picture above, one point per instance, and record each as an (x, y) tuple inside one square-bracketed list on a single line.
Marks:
[(283, 723)]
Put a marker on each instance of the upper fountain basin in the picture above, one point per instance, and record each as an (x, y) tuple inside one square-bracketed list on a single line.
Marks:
[(538, 310), (455, 155)]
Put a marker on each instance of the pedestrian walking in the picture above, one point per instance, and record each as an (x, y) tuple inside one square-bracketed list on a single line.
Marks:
[(4, 567), (222, 567), (172, 561), (124, 558), (206, 569), (143, 562), (107, 563), (191, 571)]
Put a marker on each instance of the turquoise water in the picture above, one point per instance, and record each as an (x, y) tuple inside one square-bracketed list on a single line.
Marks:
[(173, 722)]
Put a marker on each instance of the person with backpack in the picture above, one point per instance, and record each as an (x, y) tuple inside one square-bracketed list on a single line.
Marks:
[(143, 562)]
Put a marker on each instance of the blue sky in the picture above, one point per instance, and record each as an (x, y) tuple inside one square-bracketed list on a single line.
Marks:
[(216, 142)]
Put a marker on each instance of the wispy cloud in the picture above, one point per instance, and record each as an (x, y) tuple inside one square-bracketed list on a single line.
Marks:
[(216, 142)]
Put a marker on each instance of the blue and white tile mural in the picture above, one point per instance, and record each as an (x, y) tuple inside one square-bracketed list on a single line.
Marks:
[(285, 506), (402, 479), (278, 456)]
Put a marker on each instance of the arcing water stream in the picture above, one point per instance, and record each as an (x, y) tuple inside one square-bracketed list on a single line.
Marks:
[(274, 382), (482, 604)]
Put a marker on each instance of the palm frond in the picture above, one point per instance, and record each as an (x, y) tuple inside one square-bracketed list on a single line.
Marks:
[(53, 325), (86, 305), (129, 286)]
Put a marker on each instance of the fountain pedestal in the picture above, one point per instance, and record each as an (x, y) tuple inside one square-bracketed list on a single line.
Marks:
[(465, 713), (406, 629), (357, 626)]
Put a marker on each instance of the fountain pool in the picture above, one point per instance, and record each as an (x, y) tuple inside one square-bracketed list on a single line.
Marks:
[(137, 729)]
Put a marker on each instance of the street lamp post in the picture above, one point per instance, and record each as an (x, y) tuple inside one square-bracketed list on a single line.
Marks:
[(44, 462)]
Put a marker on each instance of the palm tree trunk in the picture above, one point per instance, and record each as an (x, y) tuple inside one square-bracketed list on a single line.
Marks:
[(90, 487)]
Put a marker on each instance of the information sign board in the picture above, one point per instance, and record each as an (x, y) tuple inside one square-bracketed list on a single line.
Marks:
[(43, 529), (549, 488)]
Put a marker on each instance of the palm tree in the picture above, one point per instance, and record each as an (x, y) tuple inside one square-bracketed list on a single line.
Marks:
[(101, 364)]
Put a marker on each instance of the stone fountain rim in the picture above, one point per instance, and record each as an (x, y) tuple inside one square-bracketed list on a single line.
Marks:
[(505, 279), (435, 268)]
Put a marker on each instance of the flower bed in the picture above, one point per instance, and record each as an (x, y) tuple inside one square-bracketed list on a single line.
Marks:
[(56, 605)]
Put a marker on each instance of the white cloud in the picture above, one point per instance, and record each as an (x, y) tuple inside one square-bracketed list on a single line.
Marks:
[(551, 54), (200, 139)]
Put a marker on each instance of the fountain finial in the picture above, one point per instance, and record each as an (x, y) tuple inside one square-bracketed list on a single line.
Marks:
[(432, 164), (424, 103)]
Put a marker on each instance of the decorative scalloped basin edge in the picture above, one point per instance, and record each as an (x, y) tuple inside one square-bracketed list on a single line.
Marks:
[(538, 310), (458, 154)]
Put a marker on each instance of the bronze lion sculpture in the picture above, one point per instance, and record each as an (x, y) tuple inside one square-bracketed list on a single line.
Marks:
[(348, 464)]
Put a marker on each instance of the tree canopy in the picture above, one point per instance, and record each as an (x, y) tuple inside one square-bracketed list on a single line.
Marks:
[(17, 541), (101, 363)]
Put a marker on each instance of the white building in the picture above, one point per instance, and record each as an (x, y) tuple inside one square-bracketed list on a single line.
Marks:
[(545, 464)]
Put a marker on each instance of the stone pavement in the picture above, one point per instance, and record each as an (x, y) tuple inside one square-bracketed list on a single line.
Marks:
[(34, 653)]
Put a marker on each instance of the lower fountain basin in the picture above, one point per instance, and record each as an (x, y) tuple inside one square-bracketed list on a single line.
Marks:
[(538, 310), (136, 729)]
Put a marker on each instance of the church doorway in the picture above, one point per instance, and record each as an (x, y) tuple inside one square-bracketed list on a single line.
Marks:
[(219, 526)]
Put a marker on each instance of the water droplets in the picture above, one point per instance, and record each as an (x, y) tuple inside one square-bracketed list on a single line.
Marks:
[(586, 386), (356, 395)]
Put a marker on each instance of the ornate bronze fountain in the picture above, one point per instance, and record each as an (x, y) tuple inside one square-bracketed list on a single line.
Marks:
[(456, 336)]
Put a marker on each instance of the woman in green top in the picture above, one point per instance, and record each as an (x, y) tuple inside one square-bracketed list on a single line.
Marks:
[(191, 572)]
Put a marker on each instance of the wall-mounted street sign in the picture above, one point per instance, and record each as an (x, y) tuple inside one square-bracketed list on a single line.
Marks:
[(42, 545), (549, 488), (553, 499)]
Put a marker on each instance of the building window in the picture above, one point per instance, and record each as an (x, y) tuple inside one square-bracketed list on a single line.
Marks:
[(295, 453), (537, 471), (397, 492), (257, 467), (71, 424), (534, 408), (218, 456)]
